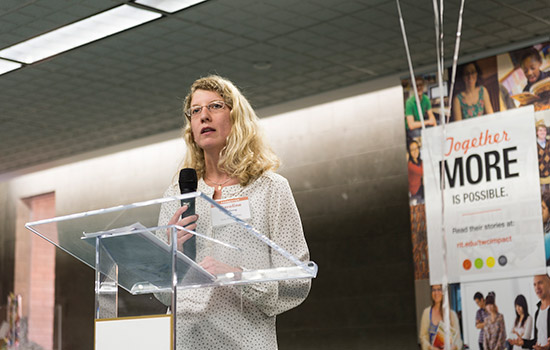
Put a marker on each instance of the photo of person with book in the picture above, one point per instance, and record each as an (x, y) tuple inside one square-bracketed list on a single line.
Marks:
[(531, 63), (474, 99), (537, 88), (431, 324), (525, 74)]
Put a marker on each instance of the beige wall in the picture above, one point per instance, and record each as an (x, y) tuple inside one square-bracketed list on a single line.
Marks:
[(344, 155)]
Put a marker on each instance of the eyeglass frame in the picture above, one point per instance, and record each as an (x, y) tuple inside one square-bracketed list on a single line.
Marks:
[(208, 106)]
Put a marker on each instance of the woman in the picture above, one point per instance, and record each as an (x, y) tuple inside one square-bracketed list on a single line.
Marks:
[(524, 322), (429, 323), (494, 332), (225, 147), (416, 187), (474, 100)]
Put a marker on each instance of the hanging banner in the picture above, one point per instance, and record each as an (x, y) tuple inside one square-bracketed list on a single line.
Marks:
[(495, 220), (488, 85), (492, 213)]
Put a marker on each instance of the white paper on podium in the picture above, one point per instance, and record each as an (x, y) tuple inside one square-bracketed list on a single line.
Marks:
[(136, 333)]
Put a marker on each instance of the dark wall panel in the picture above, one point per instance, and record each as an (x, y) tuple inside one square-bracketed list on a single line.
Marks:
[(350, 185)]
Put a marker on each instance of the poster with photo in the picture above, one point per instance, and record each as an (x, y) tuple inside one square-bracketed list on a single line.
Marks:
[(508, 294), (483, 87), (492, 215), (524, 77), (476, 90), (542, 121), (429, 95)]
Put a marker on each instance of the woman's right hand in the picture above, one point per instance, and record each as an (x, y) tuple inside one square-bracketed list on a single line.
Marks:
[(188, 222)]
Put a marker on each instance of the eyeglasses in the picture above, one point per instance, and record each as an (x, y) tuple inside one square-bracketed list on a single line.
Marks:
[(213, 107)]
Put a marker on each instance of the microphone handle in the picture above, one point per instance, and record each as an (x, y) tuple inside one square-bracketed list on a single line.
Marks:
[(189, 247), (191, 210)]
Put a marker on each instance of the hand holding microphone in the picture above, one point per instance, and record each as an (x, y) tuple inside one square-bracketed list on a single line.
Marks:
[(189, 222), (185, 216)]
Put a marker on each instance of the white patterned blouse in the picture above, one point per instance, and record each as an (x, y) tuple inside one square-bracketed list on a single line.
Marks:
[(243, 317)]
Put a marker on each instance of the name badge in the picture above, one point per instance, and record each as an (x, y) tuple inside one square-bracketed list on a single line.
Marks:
[(240, 207)]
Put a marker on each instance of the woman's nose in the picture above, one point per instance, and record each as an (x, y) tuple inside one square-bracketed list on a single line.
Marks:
[(205, 114)]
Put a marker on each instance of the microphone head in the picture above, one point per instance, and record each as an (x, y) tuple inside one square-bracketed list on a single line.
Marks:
[(188, 180)]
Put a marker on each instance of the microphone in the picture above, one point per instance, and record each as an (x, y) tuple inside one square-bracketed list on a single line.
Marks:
[(188, 183)]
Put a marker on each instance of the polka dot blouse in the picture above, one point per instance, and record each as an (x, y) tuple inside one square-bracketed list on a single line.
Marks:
[(242, 317)]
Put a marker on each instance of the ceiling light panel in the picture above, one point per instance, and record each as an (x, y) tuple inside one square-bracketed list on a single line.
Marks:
[(8, 66), (170, 6), (78, 33)]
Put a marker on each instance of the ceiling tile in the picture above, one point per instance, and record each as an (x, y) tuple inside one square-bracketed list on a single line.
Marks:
[(131, 84)]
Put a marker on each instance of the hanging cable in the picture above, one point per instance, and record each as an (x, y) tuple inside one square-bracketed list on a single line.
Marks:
[(409, 60), (444, 119), (440, 58), (455, 56)]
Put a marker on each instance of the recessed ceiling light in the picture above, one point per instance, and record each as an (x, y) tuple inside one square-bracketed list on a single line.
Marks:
[(8, 66), (169, 5), (78, 33), (262, 65)]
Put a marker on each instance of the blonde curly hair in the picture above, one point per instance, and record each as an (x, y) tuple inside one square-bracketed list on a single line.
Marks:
[(246, 155)]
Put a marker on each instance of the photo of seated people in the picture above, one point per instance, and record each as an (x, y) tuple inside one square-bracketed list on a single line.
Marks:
[(525, 76), (429, 96), (476, 90)]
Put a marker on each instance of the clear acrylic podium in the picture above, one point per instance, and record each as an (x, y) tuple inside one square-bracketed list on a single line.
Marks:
[(127, 248)]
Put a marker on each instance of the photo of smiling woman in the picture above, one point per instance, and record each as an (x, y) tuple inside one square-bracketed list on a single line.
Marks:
[(226, 148), (473, 100), (432, 317)]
